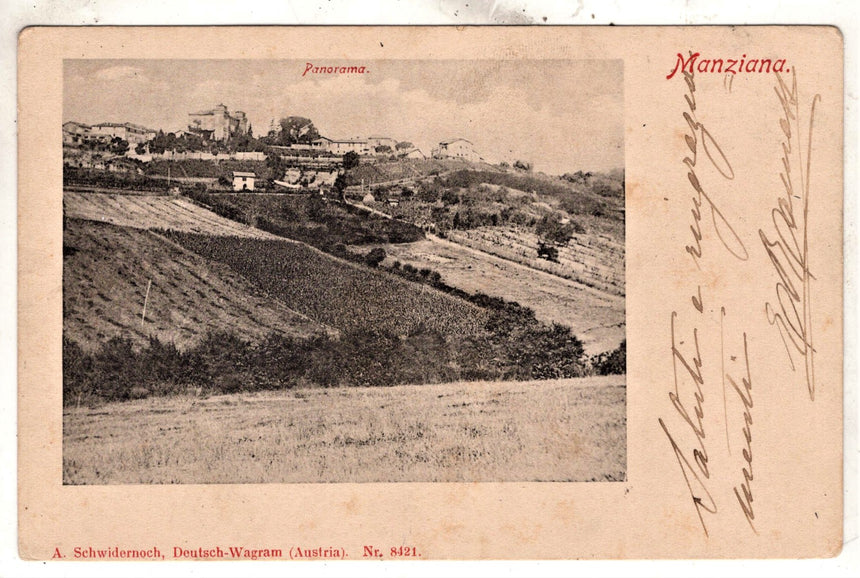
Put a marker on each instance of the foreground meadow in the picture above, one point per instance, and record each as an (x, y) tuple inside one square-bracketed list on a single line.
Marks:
[(560, 430)]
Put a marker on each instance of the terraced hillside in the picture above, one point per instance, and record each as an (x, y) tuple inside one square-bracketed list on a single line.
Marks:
[(106, 270), (596, 316), (593, 260)]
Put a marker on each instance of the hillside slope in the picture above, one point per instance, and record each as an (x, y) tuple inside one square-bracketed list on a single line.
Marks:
[(106, 269), (154, 211), (337, 292)]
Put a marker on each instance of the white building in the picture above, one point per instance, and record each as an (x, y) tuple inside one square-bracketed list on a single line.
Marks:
[(457, 148), (76, 133), (243, 181), (357, 145), (131, 133)]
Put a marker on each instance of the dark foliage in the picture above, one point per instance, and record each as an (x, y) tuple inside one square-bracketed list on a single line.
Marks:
[(547, 252), (84, 177), (224, 363), (310, 219), (613, 362), (351, 160), (375, 256)]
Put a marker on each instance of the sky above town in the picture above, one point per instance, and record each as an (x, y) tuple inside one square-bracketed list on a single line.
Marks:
[(560, 115)]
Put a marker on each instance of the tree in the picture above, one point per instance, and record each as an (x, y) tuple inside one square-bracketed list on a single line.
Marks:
[(340, 186), (276, 166), (297, 129), (383, 149), (551, 229), (351, 160), (523, 166), (404, 145), (118, 146)]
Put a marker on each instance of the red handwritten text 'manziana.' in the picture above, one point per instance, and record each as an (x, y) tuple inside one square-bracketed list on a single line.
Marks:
[(741, 65)]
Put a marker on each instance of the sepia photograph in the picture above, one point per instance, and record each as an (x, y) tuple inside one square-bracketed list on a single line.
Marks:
[(282, 271), (425, 293)]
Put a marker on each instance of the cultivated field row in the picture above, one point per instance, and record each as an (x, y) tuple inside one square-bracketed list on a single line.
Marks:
[(586, 259), (336, 292), (596, 317)]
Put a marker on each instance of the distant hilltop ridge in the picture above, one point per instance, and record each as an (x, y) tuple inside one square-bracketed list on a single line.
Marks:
[(220, 125)]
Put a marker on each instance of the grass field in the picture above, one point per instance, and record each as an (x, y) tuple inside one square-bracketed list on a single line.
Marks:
[(563, 430)]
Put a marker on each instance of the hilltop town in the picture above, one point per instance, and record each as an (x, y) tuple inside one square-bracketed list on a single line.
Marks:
[(297, 157)]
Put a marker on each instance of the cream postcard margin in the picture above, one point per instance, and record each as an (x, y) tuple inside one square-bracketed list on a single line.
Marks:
[(734, 313)]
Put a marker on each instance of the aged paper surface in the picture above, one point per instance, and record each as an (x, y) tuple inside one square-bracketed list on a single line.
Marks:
[(725, 441)]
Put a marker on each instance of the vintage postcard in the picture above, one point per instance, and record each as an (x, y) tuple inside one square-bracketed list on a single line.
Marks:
[(430, 293)]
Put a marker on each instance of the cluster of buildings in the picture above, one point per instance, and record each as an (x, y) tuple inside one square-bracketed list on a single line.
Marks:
[(219, 124), (78, 133), (457, 148), (374, 145)]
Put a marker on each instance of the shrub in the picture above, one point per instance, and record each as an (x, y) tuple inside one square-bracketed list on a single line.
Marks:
[(547, 252), (375, 256), (611, 363)]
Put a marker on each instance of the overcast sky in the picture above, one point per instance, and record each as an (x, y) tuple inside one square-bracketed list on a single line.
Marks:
[(561, 115)]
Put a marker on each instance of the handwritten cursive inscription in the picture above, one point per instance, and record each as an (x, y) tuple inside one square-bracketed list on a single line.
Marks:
[(699, 134), (787, 246), (689, 440), (689, 371), (744, 496)]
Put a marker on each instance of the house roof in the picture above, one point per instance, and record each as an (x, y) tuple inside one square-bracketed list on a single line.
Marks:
[(453, 140), (124, 124), (240, 174)]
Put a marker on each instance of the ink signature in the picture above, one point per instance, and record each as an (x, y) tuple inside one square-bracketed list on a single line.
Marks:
[(788, 252)]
